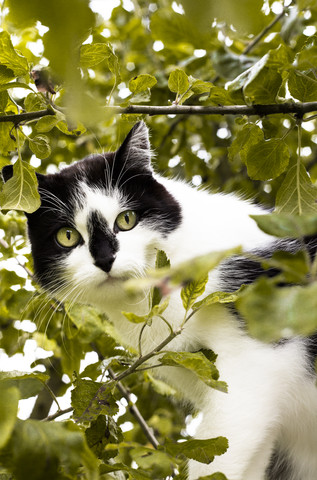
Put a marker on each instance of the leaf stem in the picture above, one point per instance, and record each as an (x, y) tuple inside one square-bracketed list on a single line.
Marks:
[(59, 413), (298, 164)]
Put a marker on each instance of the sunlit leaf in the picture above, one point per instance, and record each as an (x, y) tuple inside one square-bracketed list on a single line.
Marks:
[(20, 191), (198, 364), (267, 159), (202, 451)]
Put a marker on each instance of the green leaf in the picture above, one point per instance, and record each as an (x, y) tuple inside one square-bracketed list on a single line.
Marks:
[(9, 402), (48, 450), (132, 317), (192, 291), (216, 297), (88, 321), (10, 58), (272, 312), (34, 102), (302, 86), (263, 86), (45, 124), (267, 159), (297, 195), (91, 399), (7, 86), (64, 127), (202, 451), (141, 83), (93, 54), (7, 141), (198, 364), (284, 225), (153, 460), (249, 135), (178, 82), (20, 191), (40, 146), (28, 384)]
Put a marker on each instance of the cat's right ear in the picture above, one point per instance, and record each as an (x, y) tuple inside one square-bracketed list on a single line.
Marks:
[(135, 150)]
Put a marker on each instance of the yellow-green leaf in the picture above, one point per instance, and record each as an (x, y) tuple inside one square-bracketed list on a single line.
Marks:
[(20, 191)]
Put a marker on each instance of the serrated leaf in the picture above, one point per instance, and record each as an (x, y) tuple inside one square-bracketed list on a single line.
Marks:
[(297, 195), (20, 191), (9, 402), (91, 399), (40, 146), (28, 384), (198, 364), (192, 291), (34, 102), (302, 86), (286, 225), (48, 450), (93, 54), (178, 81), (250, 134), (10, 58), (141, 83), (267, 159), (202, 451), (87, 321)]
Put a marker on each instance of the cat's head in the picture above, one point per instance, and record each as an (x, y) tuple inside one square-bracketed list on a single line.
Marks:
[(101, 219)]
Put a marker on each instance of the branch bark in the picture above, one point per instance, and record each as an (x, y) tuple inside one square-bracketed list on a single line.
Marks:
[(26, 117), (298, 108)]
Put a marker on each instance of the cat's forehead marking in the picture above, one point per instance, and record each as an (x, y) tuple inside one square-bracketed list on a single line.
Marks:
[(93, 199)]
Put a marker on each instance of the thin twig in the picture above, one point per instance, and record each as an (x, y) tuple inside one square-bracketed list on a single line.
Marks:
[(59, 413), (135, 411)]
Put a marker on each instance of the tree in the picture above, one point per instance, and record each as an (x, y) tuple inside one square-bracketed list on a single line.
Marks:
[(229, 94)]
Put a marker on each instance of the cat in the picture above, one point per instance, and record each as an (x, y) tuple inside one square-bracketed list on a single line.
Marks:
[(102, 220)]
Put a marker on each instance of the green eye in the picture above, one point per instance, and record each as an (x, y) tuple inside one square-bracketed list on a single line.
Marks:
[(126, 220), (68, 237)]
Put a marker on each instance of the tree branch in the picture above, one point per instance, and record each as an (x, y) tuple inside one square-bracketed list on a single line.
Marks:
[(135, 411), (26, 117), (297, 108), (289, 107)]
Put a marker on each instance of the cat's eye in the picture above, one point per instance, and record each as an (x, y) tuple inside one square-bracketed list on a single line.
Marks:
[(68, 237), (126, 220)]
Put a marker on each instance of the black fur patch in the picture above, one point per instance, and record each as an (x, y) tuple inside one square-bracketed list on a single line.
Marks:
[(279, 468)]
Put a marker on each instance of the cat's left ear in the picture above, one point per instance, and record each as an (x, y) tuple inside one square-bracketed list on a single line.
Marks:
[(135, 151)]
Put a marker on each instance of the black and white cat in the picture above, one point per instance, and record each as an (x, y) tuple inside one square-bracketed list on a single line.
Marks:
[(102, 220)]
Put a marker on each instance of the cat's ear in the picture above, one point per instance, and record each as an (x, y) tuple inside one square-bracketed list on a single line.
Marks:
[(135, 151)]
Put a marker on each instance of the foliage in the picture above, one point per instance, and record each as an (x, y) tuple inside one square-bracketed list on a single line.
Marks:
[(158, 53)]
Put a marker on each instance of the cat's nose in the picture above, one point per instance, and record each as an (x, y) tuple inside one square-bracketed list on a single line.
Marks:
[(105, 263)]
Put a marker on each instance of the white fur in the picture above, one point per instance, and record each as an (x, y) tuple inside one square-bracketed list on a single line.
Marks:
[(271, 398)]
